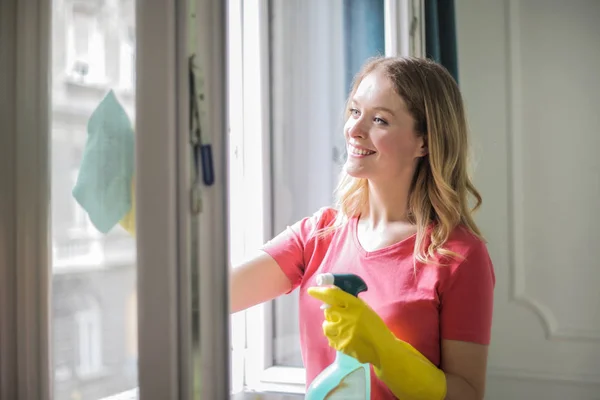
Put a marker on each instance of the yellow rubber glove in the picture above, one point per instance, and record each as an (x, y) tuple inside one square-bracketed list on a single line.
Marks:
[(353, 328), (128, 221)]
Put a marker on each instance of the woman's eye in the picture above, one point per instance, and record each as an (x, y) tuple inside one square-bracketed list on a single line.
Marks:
[(356, 113)]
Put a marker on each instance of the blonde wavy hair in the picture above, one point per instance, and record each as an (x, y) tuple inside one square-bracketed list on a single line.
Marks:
[(441, 186)]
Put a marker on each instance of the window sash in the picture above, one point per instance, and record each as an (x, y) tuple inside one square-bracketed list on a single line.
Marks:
[(182, 259), (24, 236), (166, 367)]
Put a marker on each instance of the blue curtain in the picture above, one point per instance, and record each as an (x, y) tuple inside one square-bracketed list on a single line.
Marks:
[(440, 34), (364, 34)]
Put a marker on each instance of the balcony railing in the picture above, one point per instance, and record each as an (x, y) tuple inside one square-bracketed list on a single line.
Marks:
[(87, 252)]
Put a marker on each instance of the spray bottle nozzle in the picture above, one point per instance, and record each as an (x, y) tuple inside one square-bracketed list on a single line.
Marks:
[(349, 283)]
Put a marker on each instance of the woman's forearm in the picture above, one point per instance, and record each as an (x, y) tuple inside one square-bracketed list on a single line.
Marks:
[(457, 388), (258, 280)]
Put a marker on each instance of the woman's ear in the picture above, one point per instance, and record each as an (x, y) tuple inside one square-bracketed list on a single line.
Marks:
[(424, 148)]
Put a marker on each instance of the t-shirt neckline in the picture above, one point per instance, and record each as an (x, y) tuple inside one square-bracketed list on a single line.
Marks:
[(406, 244)]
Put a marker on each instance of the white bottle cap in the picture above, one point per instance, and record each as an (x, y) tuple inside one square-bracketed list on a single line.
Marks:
[(325, 279)]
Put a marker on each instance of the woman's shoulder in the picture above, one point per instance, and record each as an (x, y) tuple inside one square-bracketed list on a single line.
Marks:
[(467, 244), (470, 266), (323, 218)]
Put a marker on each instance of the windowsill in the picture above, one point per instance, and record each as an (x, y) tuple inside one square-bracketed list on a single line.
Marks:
[(277, 383), (125, 91), (91, 233), (99, 85), (280, 379), (90, 376), (78, 233), (265, 396), (95, 85), (133, 394)]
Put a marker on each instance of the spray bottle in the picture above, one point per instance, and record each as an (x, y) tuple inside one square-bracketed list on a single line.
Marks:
[(346, 378)]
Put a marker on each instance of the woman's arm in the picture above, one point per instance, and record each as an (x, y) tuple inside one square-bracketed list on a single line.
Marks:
[(467, 305), (465, 367), (279, 266), (258, 280)]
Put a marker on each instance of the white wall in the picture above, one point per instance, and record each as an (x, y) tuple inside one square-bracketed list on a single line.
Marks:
[(529, 74)]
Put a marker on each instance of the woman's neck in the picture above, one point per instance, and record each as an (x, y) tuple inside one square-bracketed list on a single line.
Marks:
[(388, 203)]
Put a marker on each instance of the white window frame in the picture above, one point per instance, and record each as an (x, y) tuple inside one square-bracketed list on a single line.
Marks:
[(252, 159), (237, 251), (251, 152)]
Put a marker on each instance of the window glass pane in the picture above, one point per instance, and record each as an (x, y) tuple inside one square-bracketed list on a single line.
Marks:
[(94, 307), (314, 61)]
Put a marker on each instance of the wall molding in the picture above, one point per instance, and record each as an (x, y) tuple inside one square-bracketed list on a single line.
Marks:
[(542, 376), (549, 321)]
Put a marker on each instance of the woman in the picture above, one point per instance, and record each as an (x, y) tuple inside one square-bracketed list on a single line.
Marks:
[(403, 223)]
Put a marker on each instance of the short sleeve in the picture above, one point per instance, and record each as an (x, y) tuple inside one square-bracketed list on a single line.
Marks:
[(468, 299), (292, 247)]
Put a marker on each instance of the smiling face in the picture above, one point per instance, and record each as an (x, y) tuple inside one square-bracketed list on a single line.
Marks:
[(380, 132)]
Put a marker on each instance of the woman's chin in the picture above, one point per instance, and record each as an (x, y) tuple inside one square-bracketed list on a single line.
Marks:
[(355, 171)]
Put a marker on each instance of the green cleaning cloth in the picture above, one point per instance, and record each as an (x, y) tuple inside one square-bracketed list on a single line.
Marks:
[(103, 187)]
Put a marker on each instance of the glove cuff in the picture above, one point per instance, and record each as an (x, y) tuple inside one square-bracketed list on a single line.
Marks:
[(409, 374)]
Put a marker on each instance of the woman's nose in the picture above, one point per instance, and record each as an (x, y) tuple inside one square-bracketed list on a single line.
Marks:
[(357, 130)]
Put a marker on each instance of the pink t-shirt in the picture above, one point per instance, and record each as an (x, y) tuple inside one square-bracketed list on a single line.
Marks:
[(441, 302)]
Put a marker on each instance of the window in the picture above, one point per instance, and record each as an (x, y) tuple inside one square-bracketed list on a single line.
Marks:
[(85, 41), (93, 310), (89, 340), (298, 62), (45, 329), (93, 273)]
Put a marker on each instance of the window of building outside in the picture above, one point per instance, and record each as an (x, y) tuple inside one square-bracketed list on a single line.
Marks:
[(89, 340), (93, 274)]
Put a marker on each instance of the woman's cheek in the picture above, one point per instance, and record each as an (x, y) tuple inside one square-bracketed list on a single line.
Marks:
[(347, 126)]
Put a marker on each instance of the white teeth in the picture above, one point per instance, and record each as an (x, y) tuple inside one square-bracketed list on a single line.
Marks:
[(360, 152)]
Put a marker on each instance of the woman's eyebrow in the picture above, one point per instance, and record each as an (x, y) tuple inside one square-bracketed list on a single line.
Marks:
[(379, 108), (385, 109)]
